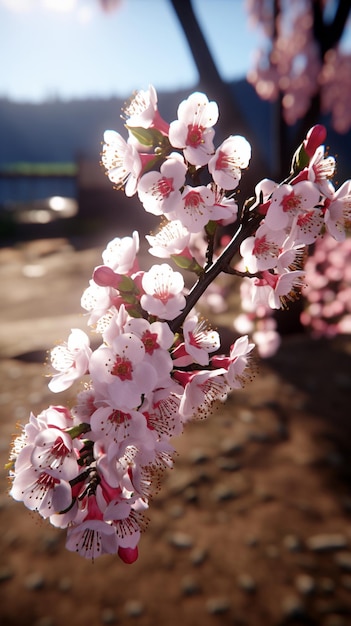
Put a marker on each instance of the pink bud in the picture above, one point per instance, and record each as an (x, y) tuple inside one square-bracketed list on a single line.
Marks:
[(104, 276), (314, 138), (128, 555)]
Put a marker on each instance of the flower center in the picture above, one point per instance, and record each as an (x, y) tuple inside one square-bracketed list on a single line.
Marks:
[(118, 417), (150, 342), (122, 368), (291, 202), (59, 449), (194, 136), (163, 188), (261, 247), (193, 201)]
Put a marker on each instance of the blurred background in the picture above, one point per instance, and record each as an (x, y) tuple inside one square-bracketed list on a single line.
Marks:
[(253, 524)]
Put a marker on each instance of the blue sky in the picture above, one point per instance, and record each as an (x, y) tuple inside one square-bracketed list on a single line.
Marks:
[(72, 49)]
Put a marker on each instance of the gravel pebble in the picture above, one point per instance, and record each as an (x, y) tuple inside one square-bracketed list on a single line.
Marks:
[(108, 616), (217, 606), (247, 583), (6, 573), (292, 543), (134, 608), (325, 542), (198, 456), (189, 586), (180, 540), (228, 464), (198, 556), (343, 559), (222, 493), (292, 607), (34, 581), (305, 584)]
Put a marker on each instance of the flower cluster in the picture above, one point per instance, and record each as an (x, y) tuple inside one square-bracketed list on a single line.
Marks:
[(290, 63), (328, 290), (92, 469)]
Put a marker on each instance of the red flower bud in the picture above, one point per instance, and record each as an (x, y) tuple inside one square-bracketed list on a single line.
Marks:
[(314, 138), (128, 555), (104, 276)]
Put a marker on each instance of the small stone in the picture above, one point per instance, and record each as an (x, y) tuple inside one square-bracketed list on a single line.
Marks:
[(108, 616), (263, 495), (5, 574), (190, 494), (176, 511), (230, 448), (252, 541), (292, 607), (305, 584), (343, 559), (198, 556), (292, 543), (246, 583), (198, 456), (246, 416), (181, 540), (228, 464), (134, 608), (217, 606), (259, 436), (223, 492), (325, 542), (189, 586), (34, 581)]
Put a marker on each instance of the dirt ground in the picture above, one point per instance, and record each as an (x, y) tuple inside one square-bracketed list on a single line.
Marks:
[(252, 527)]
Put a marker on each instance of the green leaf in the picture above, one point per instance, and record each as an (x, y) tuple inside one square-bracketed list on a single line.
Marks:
[(143, 135), (187, 264), (211, 228), (300, 160), (149, 137)]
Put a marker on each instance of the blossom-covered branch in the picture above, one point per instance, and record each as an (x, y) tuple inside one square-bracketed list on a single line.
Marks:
[(93, 469)]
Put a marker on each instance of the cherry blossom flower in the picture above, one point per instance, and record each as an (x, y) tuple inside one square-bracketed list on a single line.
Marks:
[(230, 158), (92, 537), (120, 254), (236, 363), (159, 192), (117, 425), (71, 360), (199, 342), (225, 203), (120, 373), (157, 339), (261, 251), (163, 292), (122, 162), (201, 390), (338, 212), (172, 238), (306, 227), (276, 290), (192, 131), (41, 490), (288, 201), (53, 449), (142, 111)]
